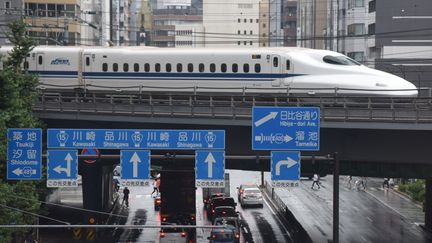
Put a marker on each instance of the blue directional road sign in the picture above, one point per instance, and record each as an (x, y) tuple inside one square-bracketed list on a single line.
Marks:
[(62, 168), (135, 166), (285, 128), (285, 168), (209, 168), (24, 154), (136, 139)]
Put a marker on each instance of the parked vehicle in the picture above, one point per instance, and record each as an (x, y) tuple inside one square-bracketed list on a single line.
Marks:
[(251, 196)]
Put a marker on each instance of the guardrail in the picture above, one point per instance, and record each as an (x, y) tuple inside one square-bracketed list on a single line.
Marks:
[(236, 106)]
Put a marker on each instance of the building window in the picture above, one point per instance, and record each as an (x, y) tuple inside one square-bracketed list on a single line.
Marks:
[(42, 10), (238, 42), (201, 67), (355, 29), (234, 68), (212, 67), (115, 67), (371, 29), (136, 67), (246, 68), (250, 42), (372, 6), (179, 67), (147, 67), (245, 20), (7, 4), (244, 42), (264, 25), (190, 67), (157, 67), (52, 10), (223, 67), (358, 56), (251, 20), (239, 20), (257, 68), (104, 67), (168, 67), (356, 4), (87, 61), (245, 32), (238, 32), (125, 67), (257, 20)]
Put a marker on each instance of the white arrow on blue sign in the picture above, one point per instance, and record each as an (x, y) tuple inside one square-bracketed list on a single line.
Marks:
[(62, 168), (209, 168), (285, 168), (24, 154), (285, 128), (135, 166)]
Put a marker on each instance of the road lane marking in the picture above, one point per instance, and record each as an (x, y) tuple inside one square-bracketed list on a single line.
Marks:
[(276, 216), (369, 219)]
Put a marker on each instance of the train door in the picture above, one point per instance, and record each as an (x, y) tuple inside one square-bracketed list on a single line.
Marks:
[(40, 60), (87, 67), (276, 69)]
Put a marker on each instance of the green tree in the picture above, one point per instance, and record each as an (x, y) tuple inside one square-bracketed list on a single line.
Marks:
[(18, 95)]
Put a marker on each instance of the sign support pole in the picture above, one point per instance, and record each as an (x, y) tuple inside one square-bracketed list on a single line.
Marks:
[(336, 198)]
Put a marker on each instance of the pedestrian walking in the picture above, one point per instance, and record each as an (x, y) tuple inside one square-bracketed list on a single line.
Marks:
[(349, 182), (126, 196), (315, 179), (156, 184), (363, 182), (386, 183)]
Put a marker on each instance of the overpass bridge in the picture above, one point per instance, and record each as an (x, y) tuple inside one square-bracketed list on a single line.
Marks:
[(374, 136)]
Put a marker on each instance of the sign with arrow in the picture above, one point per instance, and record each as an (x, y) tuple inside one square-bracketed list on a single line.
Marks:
[(62, 168), (135, 166), (285, 168), (285, 128), (209, 168), (24, 154)]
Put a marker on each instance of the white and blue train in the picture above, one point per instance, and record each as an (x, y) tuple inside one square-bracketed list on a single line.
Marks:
[(255, 70)]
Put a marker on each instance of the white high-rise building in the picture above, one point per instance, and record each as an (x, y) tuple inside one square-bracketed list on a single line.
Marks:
[(232, 23)]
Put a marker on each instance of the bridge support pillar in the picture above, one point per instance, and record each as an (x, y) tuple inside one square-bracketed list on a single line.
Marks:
[(92, 186), (428, 205)]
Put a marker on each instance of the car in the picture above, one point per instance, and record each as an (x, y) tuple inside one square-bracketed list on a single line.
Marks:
[(224, 211), (173, 235), (230, 221), (223, 235), (157, 202), (217, 202), (213, 195), (241, 188), (251, 196)]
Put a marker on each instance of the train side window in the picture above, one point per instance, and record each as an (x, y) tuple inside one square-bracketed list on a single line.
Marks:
[(115, 67), (147, 67), (157, 67), (257, 67), (126, 67), (190, 67), (246, 68), (223, 67), (201, 67), (40, 60), (212, 67), (168, 67), (234, 68), (275, 62), (104, 67), (136, 67), (288, 65), (87, 61), (179, 67)]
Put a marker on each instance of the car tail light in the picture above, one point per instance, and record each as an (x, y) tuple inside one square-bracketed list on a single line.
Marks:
[(183, 234), (237, 236), (213, 211), (192, 217), (164, 219), (241, 191), (162, 234), (205, 200), (223, 212)]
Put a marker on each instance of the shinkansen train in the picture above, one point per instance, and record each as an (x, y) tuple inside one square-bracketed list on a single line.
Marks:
[(255, 70)]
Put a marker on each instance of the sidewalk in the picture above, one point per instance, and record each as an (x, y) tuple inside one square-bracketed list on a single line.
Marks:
[(375, 215)]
